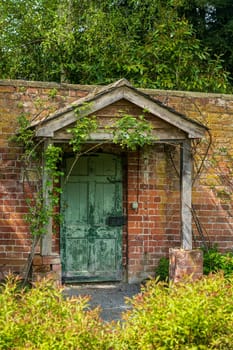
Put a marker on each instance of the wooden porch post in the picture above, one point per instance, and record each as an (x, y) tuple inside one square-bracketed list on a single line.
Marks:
[(185, 261), (186, 195), (46, 242)]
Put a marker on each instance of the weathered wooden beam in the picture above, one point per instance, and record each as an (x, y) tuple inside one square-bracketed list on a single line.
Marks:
[(66, 117), (46, 242), (159, 134), (186, 195), (192, 128)]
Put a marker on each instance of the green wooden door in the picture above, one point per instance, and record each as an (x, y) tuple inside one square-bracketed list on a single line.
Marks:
[(91, 233)]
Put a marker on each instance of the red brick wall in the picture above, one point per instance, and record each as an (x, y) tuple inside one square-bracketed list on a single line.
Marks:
[(213, 189), (13, 231), (152, 181), (154, 227), (19, 97)]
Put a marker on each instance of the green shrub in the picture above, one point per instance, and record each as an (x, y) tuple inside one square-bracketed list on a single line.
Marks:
[(189, 315), (162, 271), (214, 261), (40, 318)]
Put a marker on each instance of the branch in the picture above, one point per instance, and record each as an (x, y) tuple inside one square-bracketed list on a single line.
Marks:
[(78, 155)]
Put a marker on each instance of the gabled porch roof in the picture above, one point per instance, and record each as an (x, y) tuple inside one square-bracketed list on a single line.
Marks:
[(110, 94), (174, 126)]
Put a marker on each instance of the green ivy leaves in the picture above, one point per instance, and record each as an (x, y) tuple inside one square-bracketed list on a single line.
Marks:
[(132, 132), (80, 132)]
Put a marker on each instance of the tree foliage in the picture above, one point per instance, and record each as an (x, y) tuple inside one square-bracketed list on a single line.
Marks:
[(149, 42), (213, 24)]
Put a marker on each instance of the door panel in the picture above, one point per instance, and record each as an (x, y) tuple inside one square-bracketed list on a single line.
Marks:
[(91, 248), (76, 211), (105, 251), (76, 260)]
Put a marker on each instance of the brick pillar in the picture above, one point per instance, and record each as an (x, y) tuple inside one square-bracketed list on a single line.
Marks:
[(46, 267), (183, 263)]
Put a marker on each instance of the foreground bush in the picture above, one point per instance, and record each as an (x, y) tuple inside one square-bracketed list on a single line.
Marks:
[(191, 315), (41, 318)]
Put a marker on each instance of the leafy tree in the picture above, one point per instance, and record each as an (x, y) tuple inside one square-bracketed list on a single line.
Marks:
[(213, 23), (23, 26), (96, 42)]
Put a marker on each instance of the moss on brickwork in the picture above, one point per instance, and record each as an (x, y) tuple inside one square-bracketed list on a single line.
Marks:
[(158, 218)]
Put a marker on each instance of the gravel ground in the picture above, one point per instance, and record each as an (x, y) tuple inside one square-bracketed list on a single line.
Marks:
[(110, 297)]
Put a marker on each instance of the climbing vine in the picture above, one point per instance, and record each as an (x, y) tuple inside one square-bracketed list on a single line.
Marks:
[(42, 196), (33, 160), (131, 132), (25, 137), (83, 127), (41, 169)]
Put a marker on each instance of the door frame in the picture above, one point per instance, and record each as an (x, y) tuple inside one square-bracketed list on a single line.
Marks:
[(120, 271)]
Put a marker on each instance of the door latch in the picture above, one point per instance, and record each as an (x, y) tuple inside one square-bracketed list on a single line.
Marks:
[(116, 220)]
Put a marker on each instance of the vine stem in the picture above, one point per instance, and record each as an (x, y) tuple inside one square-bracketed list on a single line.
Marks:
[(36, 240), (78, 155)]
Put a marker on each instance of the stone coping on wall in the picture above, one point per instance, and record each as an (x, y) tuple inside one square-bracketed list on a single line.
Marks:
[(89, 88)]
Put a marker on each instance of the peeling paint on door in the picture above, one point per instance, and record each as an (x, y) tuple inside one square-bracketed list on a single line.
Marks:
[(91, 247)]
